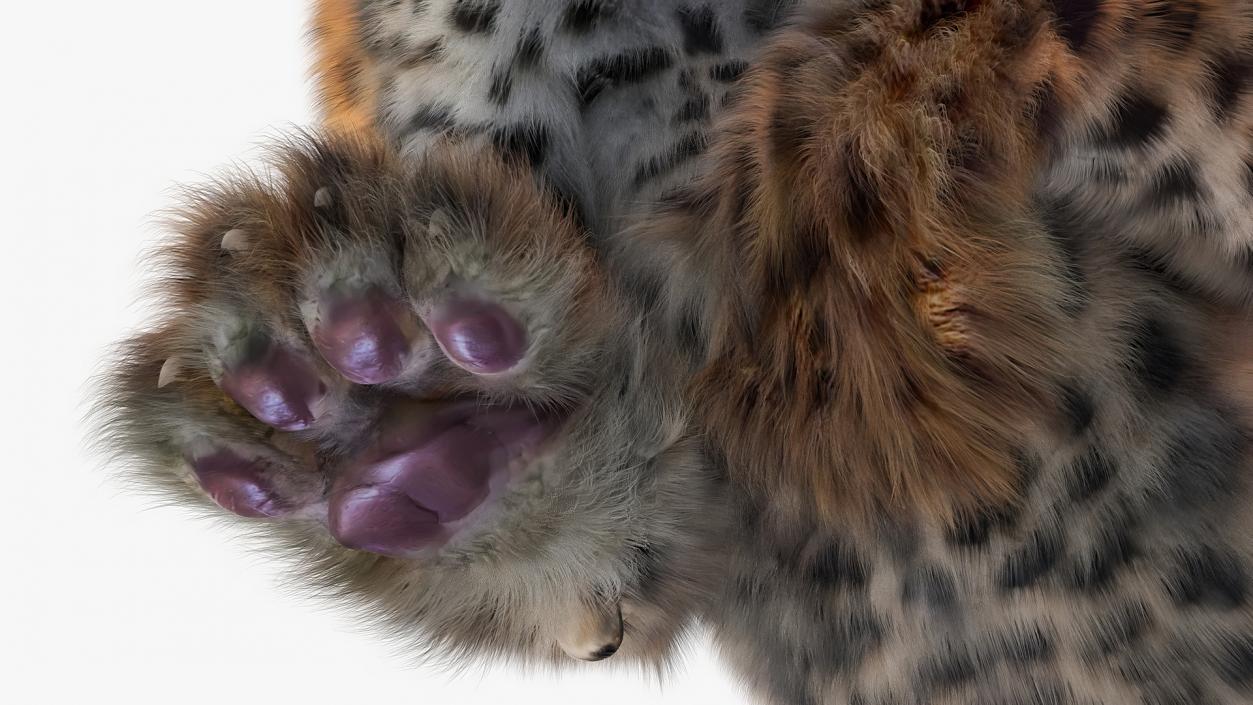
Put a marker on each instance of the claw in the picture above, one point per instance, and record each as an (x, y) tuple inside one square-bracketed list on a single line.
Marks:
[(322, 197), (594, 634), (169, 372), (235, 240)]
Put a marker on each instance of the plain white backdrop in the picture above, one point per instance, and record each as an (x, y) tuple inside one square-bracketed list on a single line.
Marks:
[(105, 597)]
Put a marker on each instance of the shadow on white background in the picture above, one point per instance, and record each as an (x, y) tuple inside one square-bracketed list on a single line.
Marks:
[(106, 598)]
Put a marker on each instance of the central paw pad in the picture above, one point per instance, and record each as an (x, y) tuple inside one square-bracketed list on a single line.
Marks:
[(432, 467)]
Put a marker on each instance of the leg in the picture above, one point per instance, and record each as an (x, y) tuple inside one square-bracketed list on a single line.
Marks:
[(409, 375)]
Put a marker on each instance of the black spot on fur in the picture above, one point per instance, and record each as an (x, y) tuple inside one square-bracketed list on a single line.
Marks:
[(625, 68), (1175, 182), (748, 401), (1090, 474), (568, 199), (1075, 19), (796, 266), (1248, 174), (1125, 625), (936, 11), (946, 671), (863, 48), (1235, 661), (1203, 463), (1024, 645), (1174, 685), (1078, 408), (790, 130), (424, 54), (1206, 576), (695, 109), (530, 49), (837, 565), (1231, 79), (1027, 466), (436, 118), (864, 206), (1031, 561), (690, 333), (1156, 266), (761, 16), (931, 585), (728, 71), (583, 15), (822, 391), (701, 34), (526, 141), (974, 529), (1174, 22), (690, 199), (474, 16), (1095, 570), (1159, 361), (643, 285), (1137, 120), (501, 87), (842, 637), (1045, 110), (686, 148), (1066, 233)]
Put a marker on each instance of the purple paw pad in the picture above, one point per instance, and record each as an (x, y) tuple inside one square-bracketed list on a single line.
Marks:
[(479, 336), (381, 519), (428, 471), (278, 387), (362, 335), (237, 484)]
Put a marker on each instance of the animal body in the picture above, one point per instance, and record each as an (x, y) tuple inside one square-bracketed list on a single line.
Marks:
[(906, 344)]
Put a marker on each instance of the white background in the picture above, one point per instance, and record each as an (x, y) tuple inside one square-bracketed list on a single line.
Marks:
[(104, 597)]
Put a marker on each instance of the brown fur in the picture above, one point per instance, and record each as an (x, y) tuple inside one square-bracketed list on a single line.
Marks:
[(891, 316)]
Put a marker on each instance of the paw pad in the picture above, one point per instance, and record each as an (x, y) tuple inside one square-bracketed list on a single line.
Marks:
[(479, 337), (277, 387), (381, 519), (364, 336), (237, 484)]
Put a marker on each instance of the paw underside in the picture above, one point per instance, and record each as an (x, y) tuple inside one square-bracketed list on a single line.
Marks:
[(342, 349)]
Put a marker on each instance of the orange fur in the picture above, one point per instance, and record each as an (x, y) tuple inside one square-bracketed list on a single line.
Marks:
[(347, 87)]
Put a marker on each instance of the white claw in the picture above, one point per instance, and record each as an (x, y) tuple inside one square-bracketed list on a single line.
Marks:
[(169, 372), (322, 197), (235, 240)]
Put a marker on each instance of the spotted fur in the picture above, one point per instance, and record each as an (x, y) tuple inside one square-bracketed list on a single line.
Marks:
[(912, 337)]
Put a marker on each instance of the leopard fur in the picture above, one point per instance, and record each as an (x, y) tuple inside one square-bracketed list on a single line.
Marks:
[(906, 344)]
